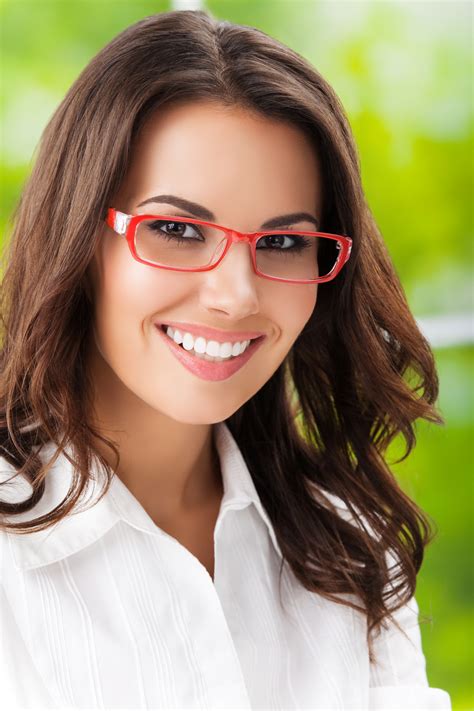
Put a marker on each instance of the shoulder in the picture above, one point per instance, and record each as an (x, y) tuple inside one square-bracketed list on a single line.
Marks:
[(14, 488), (335, 504)]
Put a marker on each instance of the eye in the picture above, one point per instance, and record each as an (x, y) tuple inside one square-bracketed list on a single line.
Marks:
[(178, 229), (283, 242)]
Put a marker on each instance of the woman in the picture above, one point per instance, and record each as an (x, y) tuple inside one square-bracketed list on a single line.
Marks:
[(204, 351)]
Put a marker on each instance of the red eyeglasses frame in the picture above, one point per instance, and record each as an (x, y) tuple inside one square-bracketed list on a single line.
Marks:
[(124, 224)]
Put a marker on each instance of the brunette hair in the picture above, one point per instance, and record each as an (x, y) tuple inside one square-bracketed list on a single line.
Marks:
[(325, 418)]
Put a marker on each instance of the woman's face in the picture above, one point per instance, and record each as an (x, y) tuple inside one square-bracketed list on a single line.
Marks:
[(244, 169)]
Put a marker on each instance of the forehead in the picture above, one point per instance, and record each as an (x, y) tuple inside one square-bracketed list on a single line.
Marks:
[(206, 151)]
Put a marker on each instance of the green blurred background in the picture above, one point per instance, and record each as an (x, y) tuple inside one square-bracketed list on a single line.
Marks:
[(403, 71)]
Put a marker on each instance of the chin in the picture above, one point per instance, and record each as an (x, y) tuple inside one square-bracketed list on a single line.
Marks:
[(208, 413)]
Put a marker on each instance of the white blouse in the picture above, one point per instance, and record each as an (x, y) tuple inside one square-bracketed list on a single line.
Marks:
[(107, 611)]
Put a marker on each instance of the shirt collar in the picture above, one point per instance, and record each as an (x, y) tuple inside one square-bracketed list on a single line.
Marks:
[(87, 522)]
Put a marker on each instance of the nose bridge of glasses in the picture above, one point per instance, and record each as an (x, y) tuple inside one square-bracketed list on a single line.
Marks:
[(237, 236)]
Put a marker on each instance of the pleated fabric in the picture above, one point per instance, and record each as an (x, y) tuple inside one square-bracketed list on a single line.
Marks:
[(107, 611)]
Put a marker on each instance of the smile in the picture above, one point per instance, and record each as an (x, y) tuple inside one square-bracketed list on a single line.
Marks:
[(210, 350), (212, 368)]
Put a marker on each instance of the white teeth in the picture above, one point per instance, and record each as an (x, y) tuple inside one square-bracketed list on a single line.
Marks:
[(212, 349), (200, 345), (175, 335), (225, 350), (188, 342), (208, 350)]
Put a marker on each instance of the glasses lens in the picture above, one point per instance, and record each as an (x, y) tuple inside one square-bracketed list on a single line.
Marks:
[(186, 245), (296, 256), (179, 244)]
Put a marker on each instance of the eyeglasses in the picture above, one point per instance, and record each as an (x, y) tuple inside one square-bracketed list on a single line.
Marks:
[(186, 244)]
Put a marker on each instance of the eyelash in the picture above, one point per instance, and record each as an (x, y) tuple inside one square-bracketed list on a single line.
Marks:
[(300, 242)]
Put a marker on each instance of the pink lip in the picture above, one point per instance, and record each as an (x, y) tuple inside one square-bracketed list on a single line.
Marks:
[(206, 369), (216, 334)]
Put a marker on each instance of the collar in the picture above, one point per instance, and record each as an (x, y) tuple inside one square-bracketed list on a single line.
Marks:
[(86, 524)]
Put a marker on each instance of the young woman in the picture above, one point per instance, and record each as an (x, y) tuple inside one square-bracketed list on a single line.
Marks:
[(205, 355)]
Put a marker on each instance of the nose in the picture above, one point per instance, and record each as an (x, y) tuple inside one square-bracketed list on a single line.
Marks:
[(232, 286)]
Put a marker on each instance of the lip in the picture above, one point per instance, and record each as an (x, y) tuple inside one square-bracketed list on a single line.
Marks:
[(205, 369), (212, 333)]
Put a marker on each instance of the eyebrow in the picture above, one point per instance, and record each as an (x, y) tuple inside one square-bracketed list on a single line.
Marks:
[(204, 214)]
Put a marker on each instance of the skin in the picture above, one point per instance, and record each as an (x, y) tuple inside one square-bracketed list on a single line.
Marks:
[(246, 169)]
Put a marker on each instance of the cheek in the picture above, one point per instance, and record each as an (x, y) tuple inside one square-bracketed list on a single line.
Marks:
[(295, 310), (131, 295)]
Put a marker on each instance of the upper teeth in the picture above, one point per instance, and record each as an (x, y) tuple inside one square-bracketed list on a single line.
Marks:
[(204, 347)]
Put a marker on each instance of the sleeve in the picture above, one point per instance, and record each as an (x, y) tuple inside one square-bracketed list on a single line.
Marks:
[(398, 674)]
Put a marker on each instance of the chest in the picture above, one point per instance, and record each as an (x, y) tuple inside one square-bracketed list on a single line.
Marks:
[(137, 623), (199, 540), (196, 533)]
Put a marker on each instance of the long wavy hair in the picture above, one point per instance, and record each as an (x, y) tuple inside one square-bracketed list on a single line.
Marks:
[(324, 420)]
